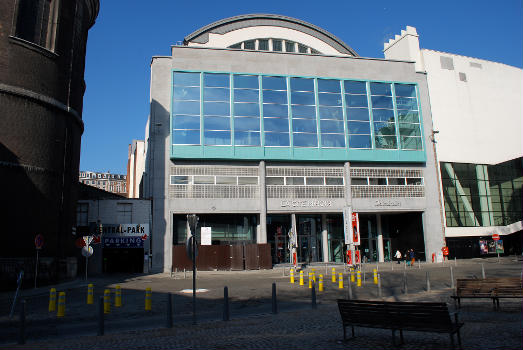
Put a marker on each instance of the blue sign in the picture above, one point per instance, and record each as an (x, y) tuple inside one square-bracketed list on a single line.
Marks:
[(123, 242)]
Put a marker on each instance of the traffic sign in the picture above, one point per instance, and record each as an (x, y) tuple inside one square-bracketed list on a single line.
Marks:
[(88, 239), (39, 241), (87, 251), (495, 237)]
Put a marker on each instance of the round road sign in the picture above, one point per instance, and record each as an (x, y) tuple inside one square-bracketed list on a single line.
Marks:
[(39, 241), (495, 237), (87, 251)]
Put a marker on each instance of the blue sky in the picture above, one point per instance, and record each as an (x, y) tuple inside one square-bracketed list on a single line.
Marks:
[(128, 33)]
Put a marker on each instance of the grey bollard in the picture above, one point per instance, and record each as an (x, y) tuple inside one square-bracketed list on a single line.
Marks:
[(101, 316), (274, 301), (419, 264), (455, 261), (405, 287), (483, 271), (428, 282), (313, 295), (21, 333), (225, 303), (379, 285), (349, 288), (169, 319), (451, 278)]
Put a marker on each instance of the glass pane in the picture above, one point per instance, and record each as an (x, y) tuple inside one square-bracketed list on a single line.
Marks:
[(226, 180), (387, 142), (328, 85), (247, 124), (315, 181), (236, 46), (276, 124), (328, 99), (249, 44), (332, 140), (247, 180), (274, 181), (186, 93), (247, 109), (276, 45), (245, 81), (302, 48), (359, 127), (355, 87), (216, 108), (303, 112), (360, 141), (215, 94), (186, 79), (332, 126), (384, 128), (274, 110), (356, 100), (241, 95), (274, 83), (289, 46), (179, 180), (411, 142), (215, 80), (361, 181), (381, 102), (217, 123), (409, 129), (247, 138), (408, 116), (270, 96), (406, 90), (201, 180), (263, 44), (217, 137), (380, 89), (276, 139), (186, 137), (186, 107), (302, 84), (383, 115), (304, 125), (396, 181), (381, 181), (357, 114), (302, 98), (334, 181), (406, 103), (414, 181), (305, 140), (331, 113), (186, 122), (294, 181)]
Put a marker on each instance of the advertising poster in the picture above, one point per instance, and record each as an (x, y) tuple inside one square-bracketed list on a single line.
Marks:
[(499, 247), (483, 247), (491, 247)]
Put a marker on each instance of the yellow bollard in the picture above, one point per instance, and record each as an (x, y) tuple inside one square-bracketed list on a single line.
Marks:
[(301, 278), (340, 281), (61, 305), (118, 296), (375, 272), (314, 275), (352, 274), (333, 274), (320, 284), (107, 301), (310, 280), (148, 299), (292, 276), (52, 299), (90, 294), (358, 278)]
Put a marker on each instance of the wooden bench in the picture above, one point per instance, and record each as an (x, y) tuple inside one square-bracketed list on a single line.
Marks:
[(491, 288), (399, 316)]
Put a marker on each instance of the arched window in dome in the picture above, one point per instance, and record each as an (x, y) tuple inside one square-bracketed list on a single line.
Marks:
[(274, 44)]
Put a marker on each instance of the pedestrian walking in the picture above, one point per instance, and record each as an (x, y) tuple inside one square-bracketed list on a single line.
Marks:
[(412, 257), (398, 256)]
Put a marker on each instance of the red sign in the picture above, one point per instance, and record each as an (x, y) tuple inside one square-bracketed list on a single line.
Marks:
[(358, 259), (79, 243), (495, 237), (355, 229), (39, 241), (349, 257), (445, 251)]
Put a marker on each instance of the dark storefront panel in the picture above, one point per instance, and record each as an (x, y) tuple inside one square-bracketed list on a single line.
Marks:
[(237, 257), (127, 260), (469, 247)]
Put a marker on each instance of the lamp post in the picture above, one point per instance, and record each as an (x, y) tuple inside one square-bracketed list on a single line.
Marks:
[(192, 219)]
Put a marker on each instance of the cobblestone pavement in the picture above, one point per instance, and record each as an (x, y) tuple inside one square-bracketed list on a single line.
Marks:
[(252, 326)]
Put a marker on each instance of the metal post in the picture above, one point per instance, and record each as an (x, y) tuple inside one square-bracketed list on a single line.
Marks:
[(225, 303), (101, 316), (169, 320), (21, 334), (482, 271), (419, 264), (428, 282), (349, 285), (274, 301), (19, 284), (451, 278), (194, 277), (86, 263), (379, 285), (455, 261), (36, 267), (405, 287), (313, 295)]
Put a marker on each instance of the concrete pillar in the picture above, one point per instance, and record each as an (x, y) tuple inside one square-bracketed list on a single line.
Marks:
[(262, 233), (380, 238), (324, 238)]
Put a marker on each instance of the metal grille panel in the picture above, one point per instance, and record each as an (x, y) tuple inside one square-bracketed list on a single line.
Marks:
[(387, 191), (295, 171), (214, 191), (305, 191), (212, 170), (377, 172)]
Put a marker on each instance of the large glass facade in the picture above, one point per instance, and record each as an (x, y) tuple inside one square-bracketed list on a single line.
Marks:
[(482, 195), (223, 109)]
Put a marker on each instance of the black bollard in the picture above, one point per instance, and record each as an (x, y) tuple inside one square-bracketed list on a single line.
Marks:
[(21, 334), (101, 316), (379, 285), (169, 319), (225, 303), (313, 295), (274, 302)]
